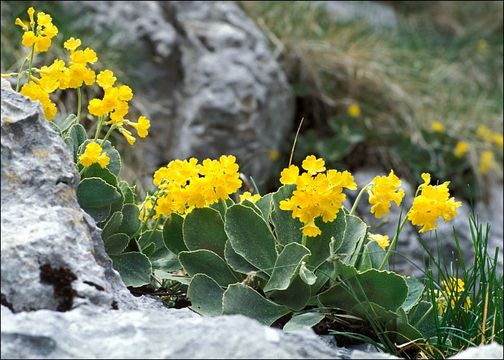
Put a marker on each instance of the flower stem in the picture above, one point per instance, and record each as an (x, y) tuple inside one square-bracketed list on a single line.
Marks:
[(358, 199), (303, 240), (393, 244), (98, 128), (108, 133), (79, 103), (31, 61), (20, 73)]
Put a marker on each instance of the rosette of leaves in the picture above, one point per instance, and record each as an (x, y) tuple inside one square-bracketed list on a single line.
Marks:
[(250, 259)]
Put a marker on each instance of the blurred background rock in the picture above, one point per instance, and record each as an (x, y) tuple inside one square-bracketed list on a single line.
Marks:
[(380, 85)]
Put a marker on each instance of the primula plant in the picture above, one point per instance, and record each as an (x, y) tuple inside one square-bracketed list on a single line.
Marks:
[(294, 257)]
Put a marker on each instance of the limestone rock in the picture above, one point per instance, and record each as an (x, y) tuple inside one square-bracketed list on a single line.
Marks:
[(491, 351), (209, 83), (90, 332), (52, 253)]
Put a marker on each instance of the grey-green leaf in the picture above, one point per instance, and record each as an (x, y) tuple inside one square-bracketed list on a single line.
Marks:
[(251, 237), (209, 263), (173, 234), (130, 223), (134, 267), (96, 193), (307, 275), (286, 267), (112, 225), (241, 299), (204, 229), (116, 243), (287, 229), (299, 321), (205, 295)]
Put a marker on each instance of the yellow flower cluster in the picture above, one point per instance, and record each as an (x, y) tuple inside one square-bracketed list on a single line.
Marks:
[(317, 194), (185, 185), (115, 104), (36, 92), (38, 34), (487, 162), (94, 155), (433, 202), (382, 240), (383, 190), (453, 288)]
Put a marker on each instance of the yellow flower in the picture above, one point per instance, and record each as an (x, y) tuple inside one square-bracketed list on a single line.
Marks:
[(484, 133), (487, 162), (128, 136), (461, 149), (35, 92), (498, 140), (437, 126), (313, 165), (19, 22), (433, 202), (94, 155), (87, 56), (28, 39), (142, 126), (106, 79), (31, 12), (354, 110), (383, 190), (72, 44), (289, 175), (453, 289), (124, 93), (311, 230), (248, 196), (382, 240)]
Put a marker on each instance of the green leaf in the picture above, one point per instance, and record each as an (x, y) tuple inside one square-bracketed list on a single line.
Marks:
[(116, 243), (372, 256), (251, 237), (241, 299), (74, 138), (287, 229), (99, 214), (127, 191), (323, 274), (209, 263), (151, 237), (163, 275), (295, 297), (415, 291), (299, 321), (237, 262), (404, 332), (307, 275), (319, 246), (251, 205), (265, 205), (370, 286), (96, 193), (205, 295), (115, 159), (134, 267), (222, 206), (172, 234), (421, 317), (286, 267), (64, 123), (112, 225), (130, 223), (95, 170), (204, 229), (355, 233)]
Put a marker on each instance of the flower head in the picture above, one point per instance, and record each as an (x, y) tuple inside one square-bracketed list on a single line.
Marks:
[(72, 44), (317, 194), (487, 162), (36, 92), (384, 190), (42, 32), (106, 79), (461, 149), (142, 126), (453, 290), (433, 202), (437, 126), (354, 110), (382, 240), (94, 155)]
